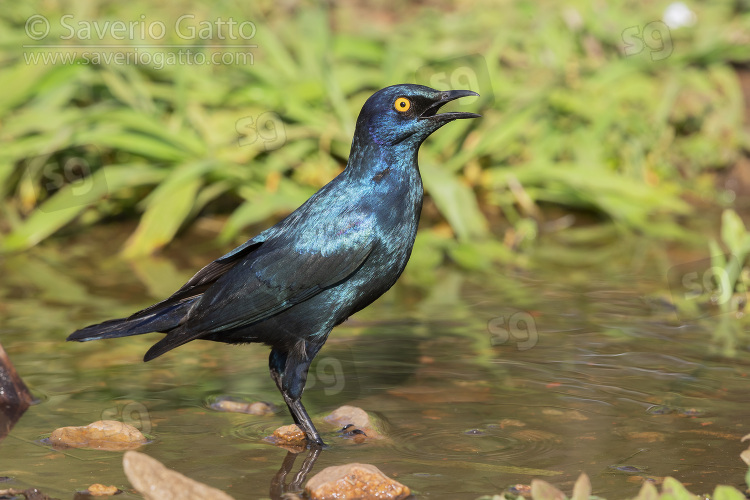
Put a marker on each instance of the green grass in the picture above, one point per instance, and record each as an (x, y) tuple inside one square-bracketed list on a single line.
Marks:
[(569, 121)]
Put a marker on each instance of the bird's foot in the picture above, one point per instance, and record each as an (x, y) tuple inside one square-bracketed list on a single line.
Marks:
[(317, 444)]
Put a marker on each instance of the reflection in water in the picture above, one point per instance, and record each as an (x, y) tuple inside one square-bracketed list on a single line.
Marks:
[(278, 483)]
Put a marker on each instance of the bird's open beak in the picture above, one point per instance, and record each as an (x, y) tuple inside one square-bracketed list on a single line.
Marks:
[(431, 113)]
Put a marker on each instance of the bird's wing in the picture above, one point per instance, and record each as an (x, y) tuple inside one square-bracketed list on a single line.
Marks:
[(270, 281), (204, 278)]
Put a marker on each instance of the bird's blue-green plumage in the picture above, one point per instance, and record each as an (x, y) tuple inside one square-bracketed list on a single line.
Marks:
[(343, 248)]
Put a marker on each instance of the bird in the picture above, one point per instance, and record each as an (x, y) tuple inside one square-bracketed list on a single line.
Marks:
[(344, 247)]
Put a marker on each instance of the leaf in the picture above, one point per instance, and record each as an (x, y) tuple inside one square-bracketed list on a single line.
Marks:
[(733, 233), (582, 488), (456, 202), (168, 207), (648, 492), (675, 488), (70, 201), (542, 490), (727, 493)]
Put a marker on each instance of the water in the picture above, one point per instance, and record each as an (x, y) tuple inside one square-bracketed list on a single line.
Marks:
[(576, 363)]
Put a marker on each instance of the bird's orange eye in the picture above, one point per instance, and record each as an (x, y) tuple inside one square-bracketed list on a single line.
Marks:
[(402, 104)]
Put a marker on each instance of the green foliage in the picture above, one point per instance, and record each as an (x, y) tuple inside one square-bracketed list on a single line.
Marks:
[(736, 239), (671, 489), (568, 118)]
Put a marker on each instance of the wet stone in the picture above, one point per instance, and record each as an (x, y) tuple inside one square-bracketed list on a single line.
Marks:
[(354, 481), (156, 482), (290, 437), (350, 420), (109, 435), (100, 490)]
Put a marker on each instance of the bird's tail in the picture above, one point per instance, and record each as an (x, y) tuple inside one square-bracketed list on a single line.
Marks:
[(159, 321)]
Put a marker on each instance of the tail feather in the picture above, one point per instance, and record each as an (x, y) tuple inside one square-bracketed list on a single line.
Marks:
[(174, 338), (159, 321)]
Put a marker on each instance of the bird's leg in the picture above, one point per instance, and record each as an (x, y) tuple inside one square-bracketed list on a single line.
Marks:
[(307, 465), (289, 371), (278, 483), (279, 488)]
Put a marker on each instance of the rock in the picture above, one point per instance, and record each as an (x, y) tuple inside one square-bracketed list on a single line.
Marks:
[(289, 437), (354, 481), (510, 422), (565, 415), (99, 490), (29, 494), (256, 408), (109, 435), (15, 397), (155, 482), (346, 417)]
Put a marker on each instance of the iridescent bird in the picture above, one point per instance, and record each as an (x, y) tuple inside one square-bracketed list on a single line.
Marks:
[(343, 248)]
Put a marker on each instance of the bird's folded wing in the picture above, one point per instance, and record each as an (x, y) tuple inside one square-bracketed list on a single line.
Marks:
[(271, 279)]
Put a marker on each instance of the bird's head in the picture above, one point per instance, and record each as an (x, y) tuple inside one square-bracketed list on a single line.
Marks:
[(408, 113)]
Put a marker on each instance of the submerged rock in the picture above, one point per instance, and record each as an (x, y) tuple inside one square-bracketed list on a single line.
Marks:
[(109, 435), (351, 420), (229, 405), (156, 482), (354, 481)]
